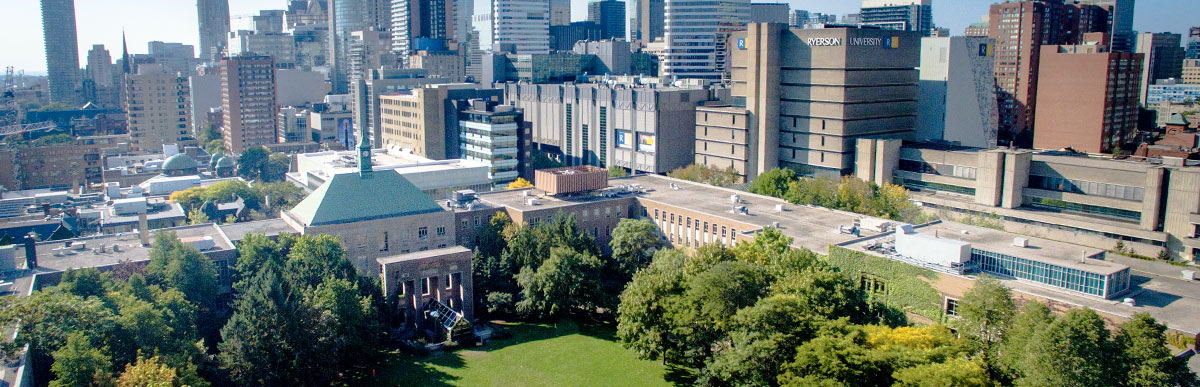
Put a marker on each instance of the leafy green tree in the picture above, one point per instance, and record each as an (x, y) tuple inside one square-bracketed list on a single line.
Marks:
[(87, 282), (634, 242), (649, 302), (1033, 318), (825, 293), (79, 363), (774, 182), (182, 267), (952, 373), (567, 281), (266, 341), (706, 174), (854, 195), (196, 216), (986, 310), (494, 272), (313, 258), (1074, 350), (763, 338), (818, 191), (1143, 344), (350, 319), (215, 146), (615, 171), (148, 373), (715, 296), (252, 162), (278, 195), (835, 358), (276, 167)]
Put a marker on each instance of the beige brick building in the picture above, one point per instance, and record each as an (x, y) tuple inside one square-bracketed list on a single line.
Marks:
[(158, 103)]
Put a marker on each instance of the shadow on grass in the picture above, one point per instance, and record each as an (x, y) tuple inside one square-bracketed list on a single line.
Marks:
[(402, 369), (680, 376)]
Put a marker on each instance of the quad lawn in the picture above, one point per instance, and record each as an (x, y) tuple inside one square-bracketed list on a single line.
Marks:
[(562, 354)]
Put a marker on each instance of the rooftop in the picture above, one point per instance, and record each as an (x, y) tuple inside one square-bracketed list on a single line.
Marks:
[(422, 255), (349, 197)]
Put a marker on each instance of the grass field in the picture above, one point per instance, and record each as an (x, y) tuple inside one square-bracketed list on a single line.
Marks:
[(563, 354)]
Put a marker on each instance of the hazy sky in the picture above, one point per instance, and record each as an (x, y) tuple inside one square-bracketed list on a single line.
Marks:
[(101, 21)]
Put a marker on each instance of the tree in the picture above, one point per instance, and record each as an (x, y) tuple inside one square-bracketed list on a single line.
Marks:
[(196, 216), (634, 242), (79, 363), (763, 338), (350, 320), (276, 167), (616, 171), (251, 163), (715, 296), (648, 304), (180, 266), (952, 373), (568, 280), (215, 146), (706, 174), (148, 373), (818, 191), (1143, 345), (986, 310), (774, 182), (87, 282), (190, 198), (278, 196), (519, 183), (266, 341), (1034, 317), (825, 293), (1074, 350)]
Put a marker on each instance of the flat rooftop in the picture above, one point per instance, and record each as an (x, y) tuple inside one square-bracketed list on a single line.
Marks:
[(1043, 250), (337, 162), (515, 199), (813, 228), (422, 255), (84, 252), (270, 227)]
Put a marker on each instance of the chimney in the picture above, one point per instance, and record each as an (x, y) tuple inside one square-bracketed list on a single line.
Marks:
[(30, 253), (143, 229), (46, 209)]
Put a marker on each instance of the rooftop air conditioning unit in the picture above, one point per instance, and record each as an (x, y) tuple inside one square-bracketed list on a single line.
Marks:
[(1020, 242)]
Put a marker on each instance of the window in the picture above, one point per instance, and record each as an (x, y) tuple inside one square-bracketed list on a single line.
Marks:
[(425, 286), (384, 244), (951, 307), (441, 231), (422, 232), (449, 283)]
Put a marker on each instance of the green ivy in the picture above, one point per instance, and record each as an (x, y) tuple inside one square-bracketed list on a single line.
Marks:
[(905, 288)]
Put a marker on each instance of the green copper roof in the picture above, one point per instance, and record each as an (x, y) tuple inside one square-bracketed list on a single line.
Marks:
[(1178, 119), (179, 162), (224, 162), (349, 197)]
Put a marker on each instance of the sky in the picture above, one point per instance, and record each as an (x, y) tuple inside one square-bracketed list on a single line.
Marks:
[(101, 22)]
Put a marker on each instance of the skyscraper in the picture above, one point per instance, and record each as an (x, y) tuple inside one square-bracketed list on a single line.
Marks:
[(691, 28), (1163, 58), (525, 24), (560, 12), (1120, 22), (99, 66), (1088, 98), (248, 102), (903, 15), (62, 50), (213, 17), (1019, 29), (156, 118), (610, 15), (415, 19), (1193, 43), (648, 24), (770, 13)]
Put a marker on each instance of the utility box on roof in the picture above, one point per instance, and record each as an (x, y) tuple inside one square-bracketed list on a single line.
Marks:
[(557, 181)]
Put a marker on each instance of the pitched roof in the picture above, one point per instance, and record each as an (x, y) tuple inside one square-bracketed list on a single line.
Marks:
[(1178, 119), (349, 197)]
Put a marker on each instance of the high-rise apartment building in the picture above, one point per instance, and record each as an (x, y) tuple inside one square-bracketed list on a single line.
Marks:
[(62, 50), (175, 57), (99, 66), (770, 13), (1163, 56), (523, 24), (1190, 73), (610, 15), (369, 50), (213, 18), (1019, 29), (1193, 43), (691, 29), (281, 47), (902, 15), (248, 102), (809, 94), (957, 92), (1120, 23), (1087, 98), (268, 21), (416, 19), (649, 20), (560, 12), (345, 17), (157, 101)]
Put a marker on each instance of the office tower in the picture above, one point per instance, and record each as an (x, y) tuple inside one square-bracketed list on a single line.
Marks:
[(248, 102), (523, 24), (1163, 58), (1120, 22), (691, 30), (957, 100), (440, 64), (560, 12), (99, 66), (852, 19), (175, 57), (612, 56), (838, 85), (369, 50), (213, 17), (424, 120), (420, 19), (345, 17), (306, 12), (1087, 98), (610, 15), (649, 15), (365, 94), (158, 101), (903, 15), (1193, 43), (281, 47), (268, 21), (1019, 30), (493, 134), (312, 46), (770, 13), (563, 38), (62, 50), (1190, 74), (798, 18)]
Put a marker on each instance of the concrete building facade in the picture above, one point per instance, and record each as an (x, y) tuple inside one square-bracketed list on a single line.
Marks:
[(770, 13), (1088, 99), (424, 120), (62, 50), (610, 15), (248, 101), (957, 92), (691, 29), (158, 102), (1162, 58), (839, 84), (900, 15), (1190, 71), (213, 17)]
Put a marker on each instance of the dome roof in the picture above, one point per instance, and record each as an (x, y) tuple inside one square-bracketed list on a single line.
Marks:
[(214, 158), (179, 162), (224, 162)]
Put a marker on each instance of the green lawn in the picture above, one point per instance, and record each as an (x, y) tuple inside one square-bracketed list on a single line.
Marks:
[(563, 354)]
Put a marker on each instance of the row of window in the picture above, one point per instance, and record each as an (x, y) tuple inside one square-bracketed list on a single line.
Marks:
[(1050, 274), (1061, 205), (1087, 187)]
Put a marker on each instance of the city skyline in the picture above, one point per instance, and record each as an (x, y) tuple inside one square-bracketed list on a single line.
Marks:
[(102, 23)]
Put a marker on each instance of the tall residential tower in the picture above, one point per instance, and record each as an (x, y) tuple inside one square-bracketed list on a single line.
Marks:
[(62, 50), (213, 16), (692, 28)]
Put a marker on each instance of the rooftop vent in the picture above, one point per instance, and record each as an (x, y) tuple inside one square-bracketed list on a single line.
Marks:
[(1020, 242)]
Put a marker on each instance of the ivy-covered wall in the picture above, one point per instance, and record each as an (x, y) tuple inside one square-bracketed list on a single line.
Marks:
[(897, 285)]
